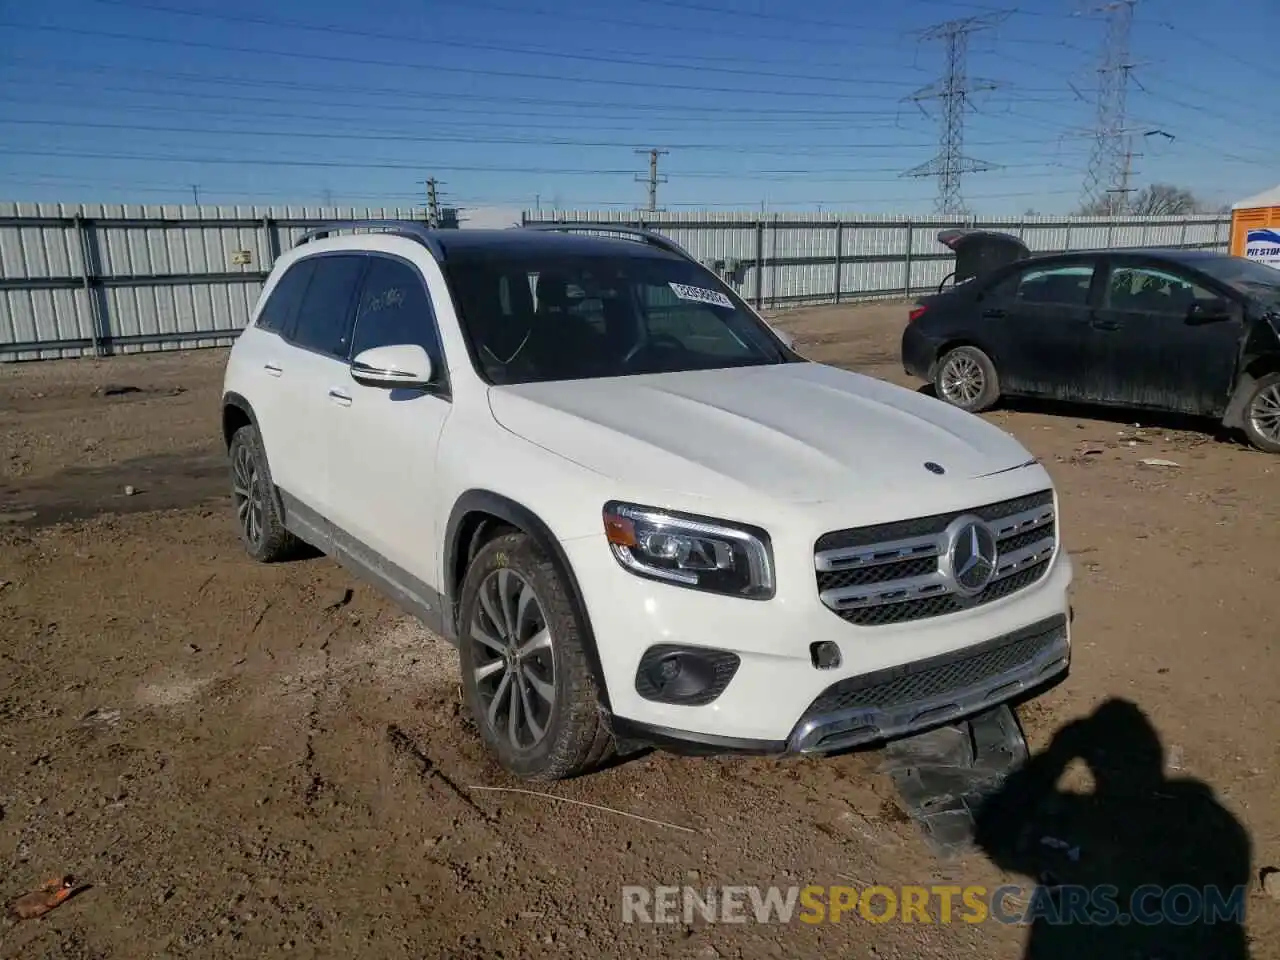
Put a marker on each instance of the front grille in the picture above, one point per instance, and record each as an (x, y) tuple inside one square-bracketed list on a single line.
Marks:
[(937, 679), (897, 572)]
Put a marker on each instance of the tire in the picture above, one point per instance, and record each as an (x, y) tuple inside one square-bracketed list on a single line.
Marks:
[(966, 378), (258, 519), (1262, 414), (560, 730)]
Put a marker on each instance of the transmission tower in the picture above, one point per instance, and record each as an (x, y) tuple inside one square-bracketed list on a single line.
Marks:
[(1107, 179), (954, 91), (652, 178)]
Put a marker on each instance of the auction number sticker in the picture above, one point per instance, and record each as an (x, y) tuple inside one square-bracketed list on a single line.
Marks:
[(701, 295)]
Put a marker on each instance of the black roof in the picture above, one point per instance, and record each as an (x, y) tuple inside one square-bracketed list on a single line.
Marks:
[(1172, 253), (517, 241)]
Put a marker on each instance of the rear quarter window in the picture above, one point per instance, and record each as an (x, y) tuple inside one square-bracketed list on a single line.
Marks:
[(281, 309)]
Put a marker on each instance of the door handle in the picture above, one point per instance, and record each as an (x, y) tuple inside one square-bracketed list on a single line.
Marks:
[(340, 398), (994, 313), (1106, 325), (272, 369)]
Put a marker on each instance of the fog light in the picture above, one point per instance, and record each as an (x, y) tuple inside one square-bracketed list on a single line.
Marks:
[(691, 676), (824, 654)]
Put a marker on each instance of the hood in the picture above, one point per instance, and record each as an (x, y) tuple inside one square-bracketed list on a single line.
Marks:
[(800, 432)]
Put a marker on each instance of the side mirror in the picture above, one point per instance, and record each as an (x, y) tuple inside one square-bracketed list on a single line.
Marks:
[(1209, 311), (400, 365)]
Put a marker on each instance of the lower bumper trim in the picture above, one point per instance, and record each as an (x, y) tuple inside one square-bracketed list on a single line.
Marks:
[(934, 692)]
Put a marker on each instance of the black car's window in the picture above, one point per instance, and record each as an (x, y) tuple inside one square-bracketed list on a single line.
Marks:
[(324, 322), (559, 317), (1148, 290), (395, 308), (1059, 286), (281, 308)]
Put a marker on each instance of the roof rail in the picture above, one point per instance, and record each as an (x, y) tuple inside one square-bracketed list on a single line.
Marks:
[(639, 233), (410, 229)]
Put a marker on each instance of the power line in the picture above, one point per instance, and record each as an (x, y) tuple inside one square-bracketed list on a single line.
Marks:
[(751, 113), (236, 193), (363, 135), (953, 91), (604, 56), (429, 67), (836, 175), (1106, 184)]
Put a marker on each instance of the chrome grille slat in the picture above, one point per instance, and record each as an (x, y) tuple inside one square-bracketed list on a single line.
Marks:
[(895, 572), (853, 557)]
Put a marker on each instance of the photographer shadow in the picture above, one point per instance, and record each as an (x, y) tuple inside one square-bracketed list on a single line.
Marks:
[(1145, 866)]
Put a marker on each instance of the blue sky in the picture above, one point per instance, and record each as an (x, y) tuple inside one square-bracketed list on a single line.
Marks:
[(524, 102)]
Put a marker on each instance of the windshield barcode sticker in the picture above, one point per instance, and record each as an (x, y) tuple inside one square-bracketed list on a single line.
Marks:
[(701, 295)]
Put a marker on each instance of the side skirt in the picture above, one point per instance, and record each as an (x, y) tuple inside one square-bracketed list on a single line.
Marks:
[(405, 590)]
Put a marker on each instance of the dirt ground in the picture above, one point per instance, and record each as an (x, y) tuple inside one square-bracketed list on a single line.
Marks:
[(245, 760)]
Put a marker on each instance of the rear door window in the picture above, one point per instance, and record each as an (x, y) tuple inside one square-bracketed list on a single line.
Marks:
[(1066, 286), (325, 319), (281, 309)]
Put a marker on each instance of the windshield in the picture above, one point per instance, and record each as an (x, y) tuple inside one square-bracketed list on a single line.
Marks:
[(1247, 276), (558, 317)]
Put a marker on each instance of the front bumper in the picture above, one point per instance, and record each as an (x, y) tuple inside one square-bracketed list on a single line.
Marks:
[(893, 680), (898, 702)]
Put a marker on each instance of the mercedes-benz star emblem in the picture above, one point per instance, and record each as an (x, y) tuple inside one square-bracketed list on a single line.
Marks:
[(973, 556), (934, 467)]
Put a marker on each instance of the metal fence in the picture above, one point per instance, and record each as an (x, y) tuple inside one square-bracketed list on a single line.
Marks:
[(780, 260), (93, 280)]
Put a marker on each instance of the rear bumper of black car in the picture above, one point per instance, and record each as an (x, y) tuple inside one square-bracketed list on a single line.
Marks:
[(917, 353)]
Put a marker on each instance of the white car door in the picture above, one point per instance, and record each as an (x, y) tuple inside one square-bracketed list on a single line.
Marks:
[(383, 472), (313, 372), (261, 357)]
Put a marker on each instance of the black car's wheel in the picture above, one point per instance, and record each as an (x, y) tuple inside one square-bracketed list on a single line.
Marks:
[(525, 676), (966, 378), (1262, 414), (258, 520)]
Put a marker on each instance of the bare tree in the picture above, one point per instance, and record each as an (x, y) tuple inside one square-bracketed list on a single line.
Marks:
[(1154, 200)]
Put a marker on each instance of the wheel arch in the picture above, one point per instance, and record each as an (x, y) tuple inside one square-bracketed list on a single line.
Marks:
[(477, 516), (1233, 417), (237, 412)]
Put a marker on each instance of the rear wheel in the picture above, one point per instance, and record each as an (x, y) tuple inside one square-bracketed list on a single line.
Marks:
[(258, 519), (525, 675), (1262, 414), (966, 378)]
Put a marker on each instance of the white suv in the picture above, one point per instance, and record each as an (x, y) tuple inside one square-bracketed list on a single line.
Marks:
[(642, 518)]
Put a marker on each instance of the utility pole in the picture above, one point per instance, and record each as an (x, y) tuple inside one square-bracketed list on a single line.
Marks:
[(652, 178), (195, 194), (433, 202), (953, 91), (1107, 179)]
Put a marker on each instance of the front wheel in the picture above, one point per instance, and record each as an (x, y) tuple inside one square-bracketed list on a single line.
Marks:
[(966, 378), (1262, 414), (525, 676)]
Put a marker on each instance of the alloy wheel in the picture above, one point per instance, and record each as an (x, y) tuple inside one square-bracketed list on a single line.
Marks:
[(246, 492), (512, 657), (1264, 413), (962, 380)]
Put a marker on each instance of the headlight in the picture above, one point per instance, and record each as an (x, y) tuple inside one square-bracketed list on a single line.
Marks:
[(697, 552)]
